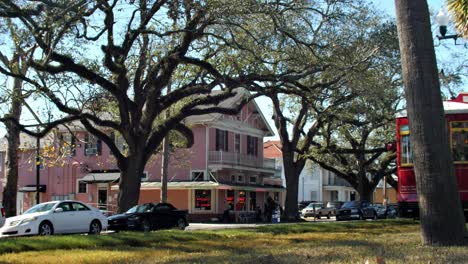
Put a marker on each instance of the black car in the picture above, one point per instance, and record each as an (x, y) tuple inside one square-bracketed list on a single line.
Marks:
[(356, 210), (385, 212), (149, 216)]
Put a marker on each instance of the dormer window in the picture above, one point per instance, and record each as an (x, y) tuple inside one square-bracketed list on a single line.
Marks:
[(92, 145)]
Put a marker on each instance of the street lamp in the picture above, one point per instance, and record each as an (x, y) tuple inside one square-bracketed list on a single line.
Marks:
[(442, 19)]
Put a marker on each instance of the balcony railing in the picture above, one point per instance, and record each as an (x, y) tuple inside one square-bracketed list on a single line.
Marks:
[(335, 181), (231, 158)]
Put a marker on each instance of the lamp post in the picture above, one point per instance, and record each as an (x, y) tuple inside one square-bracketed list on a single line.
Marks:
[(442, 19)]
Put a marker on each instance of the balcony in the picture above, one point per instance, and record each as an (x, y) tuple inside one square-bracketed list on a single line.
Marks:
[(335, 181), (236, 159)]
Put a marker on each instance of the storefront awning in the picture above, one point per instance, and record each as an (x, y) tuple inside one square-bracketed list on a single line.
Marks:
[(32, 188), (203, 185), (101, 177)]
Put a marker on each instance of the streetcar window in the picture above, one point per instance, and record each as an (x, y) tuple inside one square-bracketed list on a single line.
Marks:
[(459, 139), (406, 155)]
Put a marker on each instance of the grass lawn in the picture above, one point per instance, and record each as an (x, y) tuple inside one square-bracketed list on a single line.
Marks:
[(395, 241)]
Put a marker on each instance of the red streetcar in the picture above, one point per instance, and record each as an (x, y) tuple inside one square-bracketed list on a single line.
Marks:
[(456, 113)]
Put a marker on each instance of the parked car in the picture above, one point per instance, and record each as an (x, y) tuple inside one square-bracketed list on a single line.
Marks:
[(2, 215), (57, 217), (311, 209), (149, 216), (385, 212), (356, 210), (329, 210)]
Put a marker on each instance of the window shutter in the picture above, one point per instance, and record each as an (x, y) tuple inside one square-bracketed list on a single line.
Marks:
[(86, 144), (99, 146), (60, 144), (226, 140), (72, 146), (217, 139)]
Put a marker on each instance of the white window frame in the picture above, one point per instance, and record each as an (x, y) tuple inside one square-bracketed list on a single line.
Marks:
[(78, 186), (92, 143), (212, 201), (202, 171)]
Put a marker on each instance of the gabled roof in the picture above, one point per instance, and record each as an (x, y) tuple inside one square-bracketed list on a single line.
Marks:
[(272, 149), (231, 102)]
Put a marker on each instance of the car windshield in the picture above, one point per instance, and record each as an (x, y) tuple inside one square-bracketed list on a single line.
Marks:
[(316, 205), (139, 209), (40, 208), (351, 204)]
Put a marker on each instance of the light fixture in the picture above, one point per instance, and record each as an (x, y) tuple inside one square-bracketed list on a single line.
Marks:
[(442, 19)]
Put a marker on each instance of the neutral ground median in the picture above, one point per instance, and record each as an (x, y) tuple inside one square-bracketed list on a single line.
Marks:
[(392, 241)]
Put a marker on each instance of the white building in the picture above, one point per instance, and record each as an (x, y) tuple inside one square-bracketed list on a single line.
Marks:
[(315, 183)]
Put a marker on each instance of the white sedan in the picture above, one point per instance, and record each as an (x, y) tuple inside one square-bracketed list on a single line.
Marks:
[(57, 217)]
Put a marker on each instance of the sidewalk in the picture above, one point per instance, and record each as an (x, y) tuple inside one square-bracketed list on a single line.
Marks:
[(219, 226)]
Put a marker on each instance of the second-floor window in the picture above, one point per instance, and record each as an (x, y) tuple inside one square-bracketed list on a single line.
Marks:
[(67, 144), (119, 142), (92, 145), (222, 139), (252, 146)]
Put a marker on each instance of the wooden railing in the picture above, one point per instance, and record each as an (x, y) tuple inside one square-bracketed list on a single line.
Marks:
[(231, 158)]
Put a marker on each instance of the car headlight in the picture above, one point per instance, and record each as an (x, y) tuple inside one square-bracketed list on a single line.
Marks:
[(27, 220), (354, 210)]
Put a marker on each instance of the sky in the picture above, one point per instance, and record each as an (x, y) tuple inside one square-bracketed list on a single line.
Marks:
[(388, 7)]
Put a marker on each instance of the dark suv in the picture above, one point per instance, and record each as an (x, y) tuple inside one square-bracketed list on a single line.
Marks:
[(356, 210)]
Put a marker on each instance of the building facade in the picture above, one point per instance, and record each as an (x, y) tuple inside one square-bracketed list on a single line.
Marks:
[(315, 183), (224, 166)]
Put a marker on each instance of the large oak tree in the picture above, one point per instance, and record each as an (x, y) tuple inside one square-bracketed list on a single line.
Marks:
[(123, 54)]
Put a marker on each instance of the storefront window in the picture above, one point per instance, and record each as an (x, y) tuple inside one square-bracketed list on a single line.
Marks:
[(253, 201), (240, 206), (203, 199), (230, 197), (406, 155), (459, 138)]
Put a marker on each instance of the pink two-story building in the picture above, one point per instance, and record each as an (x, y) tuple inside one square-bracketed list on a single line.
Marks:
[(225, 165)]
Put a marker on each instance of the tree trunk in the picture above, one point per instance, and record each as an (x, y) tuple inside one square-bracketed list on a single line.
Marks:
[(292, 171), (130, 182), (13, 138), (164, 168), (442, 221), (366, 193), (11, 187)]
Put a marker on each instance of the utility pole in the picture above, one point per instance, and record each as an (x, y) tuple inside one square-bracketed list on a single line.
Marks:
[(38, 151), (38, 166), (165, 157)]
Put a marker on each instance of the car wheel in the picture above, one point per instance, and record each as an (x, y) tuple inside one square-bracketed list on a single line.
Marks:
[(146, 225), (46, 229), (375, 216), (181, 224), (95, 228), (328, 215), (319, 215), (361, 217)]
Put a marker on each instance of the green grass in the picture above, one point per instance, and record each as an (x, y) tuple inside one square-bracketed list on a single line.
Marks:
[(395, 241)]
